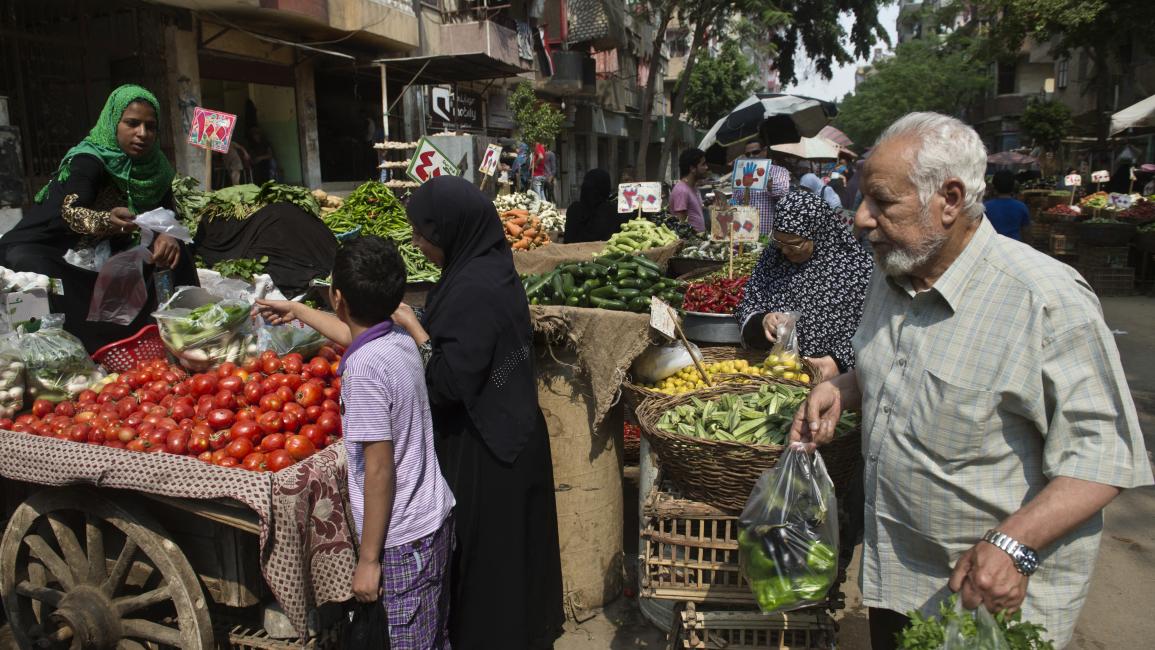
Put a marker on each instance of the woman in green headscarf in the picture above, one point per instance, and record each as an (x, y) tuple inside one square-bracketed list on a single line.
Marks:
[(86, 213)]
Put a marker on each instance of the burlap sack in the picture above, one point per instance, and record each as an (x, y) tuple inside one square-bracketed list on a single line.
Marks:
[(606, 343), (547, 258)]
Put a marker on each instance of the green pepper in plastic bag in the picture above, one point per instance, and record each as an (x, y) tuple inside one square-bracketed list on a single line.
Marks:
[(788, 540)]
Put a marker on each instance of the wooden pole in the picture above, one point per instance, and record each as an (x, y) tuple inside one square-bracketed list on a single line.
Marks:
[(697, 363), (208, 169)]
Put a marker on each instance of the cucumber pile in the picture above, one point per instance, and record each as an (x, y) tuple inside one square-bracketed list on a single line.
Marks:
[(617, 281)]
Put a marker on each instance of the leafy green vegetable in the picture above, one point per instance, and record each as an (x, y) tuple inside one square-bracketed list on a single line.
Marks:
[(929, 633), (235, 202), (240, 269)]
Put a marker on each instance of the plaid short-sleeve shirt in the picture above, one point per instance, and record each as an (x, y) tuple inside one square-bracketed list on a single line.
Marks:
[(976, 393)]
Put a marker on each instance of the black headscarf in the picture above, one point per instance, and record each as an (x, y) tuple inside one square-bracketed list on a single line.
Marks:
[(594, 216), (477, 316), (828, 289)]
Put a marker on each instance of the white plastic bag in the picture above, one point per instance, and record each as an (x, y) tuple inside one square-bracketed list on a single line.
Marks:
[(987, 635), (661, 361), (11, 377), (788, 540)]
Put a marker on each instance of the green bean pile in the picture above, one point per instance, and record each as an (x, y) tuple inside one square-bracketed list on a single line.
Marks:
[(376, 211)]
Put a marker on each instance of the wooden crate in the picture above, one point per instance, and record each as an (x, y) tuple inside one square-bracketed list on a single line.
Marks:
[(1108, 281), (690, 553), (748, 629), (1116, 257), (1039, 235)]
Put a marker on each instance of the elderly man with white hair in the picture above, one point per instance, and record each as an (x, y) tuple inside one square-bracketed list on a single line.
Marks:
[(997, 422)]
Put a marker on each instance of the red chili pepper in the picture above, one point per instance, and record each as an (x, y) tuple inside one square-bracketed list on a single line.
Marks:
[(717, 297)]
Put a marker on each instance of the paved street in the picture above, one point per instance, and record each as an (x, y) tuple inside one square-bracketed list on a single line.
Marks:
[(1118, 610)]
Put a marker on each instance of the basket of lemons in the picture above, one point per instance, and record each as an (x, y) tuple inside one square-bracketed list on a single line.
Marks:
[(724, 365)]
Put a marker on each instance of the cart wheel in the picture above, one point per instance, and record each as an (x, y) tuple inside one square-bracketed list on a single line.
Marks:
[(80, 571)]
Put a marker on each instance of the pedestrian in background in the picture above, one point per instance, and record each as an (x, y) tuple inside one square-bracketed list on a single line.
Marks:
[(1008, 215), (685, 199)]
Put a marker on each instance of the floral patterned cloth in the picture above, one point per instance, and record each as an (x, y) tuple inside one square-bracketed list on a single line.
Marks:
[(306, 542)]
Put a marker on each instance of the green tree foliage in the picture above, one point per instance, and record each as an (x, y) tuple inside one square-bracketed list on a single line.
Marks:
[(1046, 123), (538, 122), (718, 84), (925, 74)]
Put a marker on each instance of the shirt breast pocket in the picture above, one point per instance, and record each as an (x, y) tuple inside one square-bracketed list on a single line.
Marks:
[(951, 420)]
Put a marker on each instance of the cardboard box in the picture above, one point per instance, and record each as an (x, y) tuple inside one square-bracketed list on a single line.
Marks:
[(22, 306)]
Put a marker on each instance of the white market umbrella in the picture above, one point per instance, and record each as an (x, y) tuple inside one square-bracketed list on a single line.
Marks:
[(1138, 115), (809, 149)]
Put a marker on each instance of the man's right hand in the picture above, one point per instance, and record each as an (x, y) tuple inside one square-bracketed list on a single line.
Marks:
[(122, 219), (817, 416)]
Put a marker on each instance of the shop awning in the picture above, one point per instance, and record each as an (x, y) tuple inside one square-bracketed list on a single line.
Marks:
[(448, 68)]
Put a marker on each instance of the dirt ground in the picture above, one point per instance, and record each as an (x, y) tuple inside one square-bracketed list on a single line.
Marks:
[(1118, 613)]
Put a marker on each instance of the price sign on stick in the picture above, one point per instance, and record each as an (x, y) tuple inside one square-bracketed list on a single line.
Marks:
[(428, 162), (1073, 180), (1101, 176), (664, 319), (745, 223), (722, 222), (752, 173), (212, 130), (489, 161), (643, 197)]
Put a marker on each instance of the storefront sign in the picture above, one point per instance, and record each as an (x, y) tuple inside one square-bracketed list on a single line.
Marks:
[(212, 129), (646, 196), (461, 109), (751, 173), (489, 161), (428, 162)]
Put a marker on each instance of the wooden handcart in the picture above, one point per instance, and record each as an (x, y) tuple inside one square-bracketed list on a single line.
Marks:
[(83, 566)]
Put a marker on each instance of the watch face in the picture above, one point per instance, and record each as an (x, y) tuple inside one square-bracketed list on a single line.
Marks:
[(1026, 561)]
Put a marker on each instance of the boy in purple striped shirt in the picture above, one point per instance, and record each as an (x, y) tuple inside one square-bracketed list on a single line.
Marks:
[(402, 506)]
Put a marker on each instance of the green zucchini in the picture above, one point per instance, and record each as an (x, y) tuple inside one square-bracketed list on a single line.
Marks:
[(605, 303)]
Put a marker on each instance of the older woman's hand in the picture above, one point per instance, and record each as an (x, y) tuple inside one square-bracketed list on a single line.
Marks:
[(770, 323)]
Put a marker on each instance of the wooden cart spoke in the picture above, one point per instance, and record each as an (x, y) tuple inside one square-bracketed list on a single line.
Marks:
[(53, 562), (69, 544), (37, 592), (94, 545), (107, 586), (129, 604), (120, 570), (147, 630)]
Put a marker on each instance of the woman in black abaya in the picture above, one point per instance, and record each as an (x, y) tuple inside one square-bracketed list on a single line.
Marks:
[(492, 441)]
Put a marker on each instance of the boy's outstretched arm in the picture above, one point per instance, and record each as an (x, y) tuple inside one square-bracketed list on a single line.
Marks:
[(380, 487)]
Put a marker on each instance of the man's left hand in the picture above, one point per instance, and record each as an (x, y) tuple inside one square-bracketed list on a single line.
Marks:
[(165, 252), (986, 575)]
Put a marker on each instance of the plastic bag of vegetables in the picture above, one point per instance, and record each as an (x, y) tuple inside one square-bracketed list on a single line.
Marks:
[(57, 367), (203, 331), (11, 377), (788, 537), (288, 338), (955, 628)]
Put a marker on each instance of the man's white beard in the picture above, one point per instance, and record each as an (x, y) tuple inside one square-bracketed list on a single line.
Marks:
[(898, 262)]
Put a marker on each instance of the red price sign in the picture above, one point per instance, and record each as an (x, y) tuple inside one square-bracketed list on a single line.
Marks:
[(212, 130)]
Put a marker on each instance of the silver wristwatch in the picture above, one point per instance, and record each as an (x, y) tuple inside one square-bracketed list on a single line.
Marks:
[(1025, 558)]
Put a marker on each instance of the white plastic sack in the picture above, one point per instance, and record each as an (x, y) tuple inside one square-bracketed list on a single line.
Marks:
[(661, 361)]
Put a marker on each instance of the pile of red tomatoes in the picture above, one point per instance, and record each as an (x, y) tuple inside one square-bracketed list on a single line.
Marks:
[(264, 415)]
